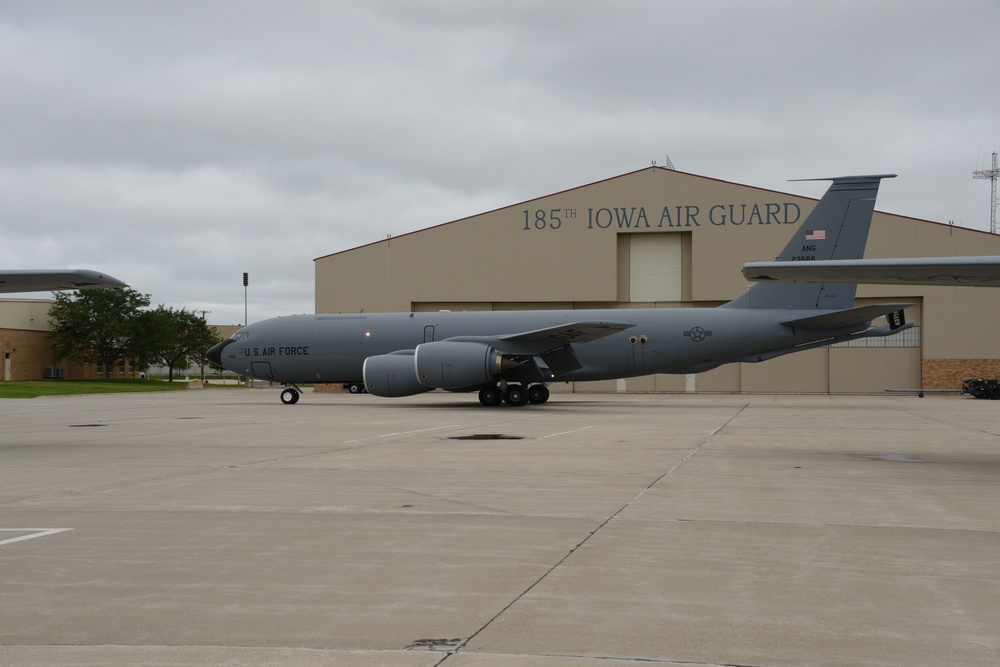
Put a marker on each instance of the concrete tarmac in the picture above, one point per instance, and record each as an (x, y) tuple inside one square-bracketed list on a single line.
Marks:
[(218, 526)]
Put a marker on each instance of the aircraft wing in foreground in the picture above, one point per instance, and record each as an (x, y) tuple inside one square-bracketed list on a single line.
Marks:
[(45, 280), (511, 356), (983, 271)]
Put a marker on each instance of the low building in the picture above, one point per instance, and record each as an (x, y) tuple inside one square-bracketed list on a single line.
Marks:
[(28, 354), (27, 347)]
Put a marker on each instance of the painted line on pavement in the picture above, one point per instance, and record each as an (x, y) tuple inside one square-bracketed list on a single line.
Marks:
[(34, 532), (576, 430)]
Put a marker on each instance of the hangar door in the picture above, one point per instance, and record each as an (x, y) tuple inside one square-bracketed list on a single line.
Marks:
[(655, 264)]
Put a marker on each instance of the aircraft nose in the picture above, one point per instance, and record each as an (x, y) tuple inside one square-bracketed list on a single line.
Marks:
[(214, 353)]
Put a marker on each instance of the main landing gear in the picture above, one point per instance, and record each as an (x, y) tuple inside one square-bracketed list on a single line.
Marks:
[(515, 395), (290, 395)]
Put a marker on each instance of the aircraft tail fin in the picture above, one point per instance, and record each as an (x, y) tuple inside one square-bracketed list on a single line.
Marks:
[(836, 229)]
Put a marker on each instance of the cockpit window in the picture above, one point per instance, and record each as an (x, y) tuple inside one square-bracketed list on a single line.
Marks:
[(240, 335)]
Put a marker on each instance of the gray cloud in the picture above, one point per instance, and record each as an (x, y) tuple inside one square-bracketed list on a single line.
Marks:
[(176, 145)]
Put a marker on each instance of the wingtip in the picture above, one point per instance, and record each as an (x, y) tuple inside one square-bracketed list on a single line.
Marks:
[(97, 278)]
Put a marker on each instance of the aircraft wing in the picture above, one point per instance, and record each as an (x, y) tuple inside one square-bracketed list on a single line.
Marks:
[(575, 332), (541, 340), (45, 280), (979, 271), (553, 344), (550, 341)]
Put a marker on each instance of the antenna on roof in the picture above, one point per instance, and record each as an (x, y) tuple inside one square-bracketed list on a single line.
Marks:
[(667, 163), (991, 175)]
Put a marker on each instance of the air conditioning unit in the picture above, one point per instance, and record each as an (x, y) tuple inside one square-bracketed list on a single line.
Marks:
[(55, 373)]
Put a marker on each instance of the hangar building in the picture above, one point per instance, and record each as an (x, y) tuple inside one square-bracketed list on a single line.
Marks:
[(667, 239)]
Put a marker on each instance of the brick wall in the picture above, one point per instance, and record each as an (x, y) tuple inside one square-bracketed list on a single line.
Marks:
[(949, 373), (31, 353)]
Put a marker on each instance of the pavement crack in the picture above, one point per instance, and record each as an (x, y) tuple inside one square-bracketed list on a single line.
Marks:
[(591, 534)]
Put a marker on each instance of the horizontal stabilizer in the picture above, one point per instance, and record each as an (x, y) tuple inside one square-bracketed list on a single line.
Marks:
[(873, 332), (845, 318), (979, 271)]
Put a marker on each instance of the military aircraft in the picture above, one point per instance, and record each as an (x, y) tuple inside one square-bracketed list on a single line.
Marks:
[(43, 280), (512, 356)]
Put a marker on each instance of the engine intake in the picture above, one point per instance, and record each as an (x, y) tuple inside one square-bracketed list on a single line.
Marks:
[(392, 375)]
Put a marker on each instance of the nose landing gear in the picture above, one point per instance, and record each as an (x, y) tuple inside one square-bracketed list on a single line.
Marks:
[(290, 395)]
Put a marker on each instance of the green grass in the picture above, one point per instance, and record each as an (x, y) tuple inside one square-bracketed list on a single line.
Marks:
[(33, 389)]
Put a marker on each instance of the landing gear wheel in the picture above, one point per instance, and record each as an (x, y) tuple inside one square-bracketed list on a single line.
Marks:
[(289, 396), (355, 388), (516, 396), (538, 394), (490, 396)]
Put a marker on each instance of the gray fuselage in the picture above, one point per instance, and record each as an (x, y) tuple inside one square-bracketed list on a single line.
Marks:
[(333, 348)]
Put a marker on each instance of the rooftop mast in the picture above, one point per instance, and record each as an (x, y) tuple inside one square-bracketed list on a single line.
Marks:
[(992, 175)]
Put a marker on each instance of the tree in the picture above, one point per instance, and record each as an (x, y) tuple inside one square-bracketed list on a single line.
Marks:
[(177, 338), (98, 326)]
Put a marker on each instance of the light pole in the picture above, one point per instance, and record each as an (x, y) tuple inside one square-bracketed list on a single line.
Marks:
[(246, 281), (203, 313)]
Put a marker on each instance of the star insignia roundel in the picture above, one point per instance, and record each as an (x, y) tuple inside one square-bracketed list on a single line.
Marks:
[(697, 334)]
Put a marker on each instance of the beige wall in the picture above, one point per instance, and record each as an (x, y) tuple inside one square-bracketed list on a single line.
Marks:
[(25, 314), (492, 257), (571, 250)]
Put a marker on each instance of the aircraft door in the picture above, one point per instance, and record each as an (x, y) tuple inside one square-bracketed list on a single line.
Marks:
[(261, 369), (429, 333)]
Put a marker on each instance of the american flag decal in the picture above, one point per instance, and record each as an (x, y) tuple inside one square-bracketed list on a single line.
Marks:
[(816, 235)]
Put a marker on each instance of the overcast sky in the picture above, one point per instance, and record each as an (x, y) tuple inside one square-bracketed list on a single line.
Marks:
[(175, 145)]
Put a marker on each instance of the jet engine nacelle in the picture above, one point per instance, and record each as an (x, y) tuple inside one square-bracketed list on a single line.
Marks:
[(457, 365), (392, 375)]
